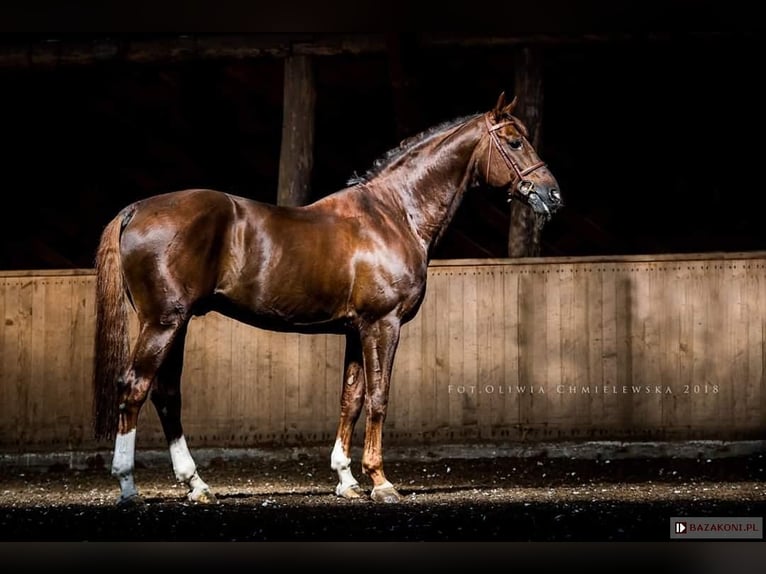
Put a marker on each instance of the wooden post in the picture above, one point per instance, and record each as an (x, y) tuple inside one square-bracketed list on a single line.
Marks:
[(525, 229), (296, 158)]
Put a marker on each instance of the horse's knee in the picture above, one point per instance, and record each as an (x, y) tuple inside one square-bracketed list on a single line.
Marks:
[(133, 391), (376, 404)]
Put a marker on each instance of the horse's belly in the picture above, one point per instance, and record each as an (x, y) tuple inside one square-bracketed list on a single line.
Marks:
[(290, 303)]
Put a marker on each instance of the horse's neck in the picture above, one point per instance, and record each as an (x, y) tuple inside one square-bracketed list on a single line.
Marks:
[(429, 182)]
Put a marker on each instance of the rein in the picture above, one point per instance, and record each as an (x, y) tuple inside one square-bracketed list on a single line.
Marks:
[(510, 163)]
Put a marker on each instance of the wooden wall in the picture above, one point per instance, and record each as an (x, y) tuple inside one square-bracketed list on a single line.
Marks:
[(544, 349)]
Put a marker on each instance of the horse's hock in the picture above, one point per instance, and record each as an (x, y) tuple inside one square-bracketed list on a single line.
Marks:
[(502, 352)]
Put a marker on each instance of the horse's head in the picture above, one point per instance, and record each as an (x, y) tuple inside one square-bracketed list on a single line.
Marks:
[(510, 162)]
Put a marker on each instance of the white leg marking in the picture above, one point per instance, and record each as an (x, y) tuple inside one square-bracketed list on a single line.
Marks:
[(341, 464), (123, 463), (185, 469), (183, 464)]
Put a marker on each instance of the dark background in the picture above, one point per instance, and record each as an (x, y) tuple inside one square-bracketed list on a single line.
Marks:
[(653, 115)]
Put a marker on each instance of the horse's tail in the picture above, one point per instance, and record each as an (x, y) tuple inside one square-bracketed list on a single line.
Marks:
[(111, 345)]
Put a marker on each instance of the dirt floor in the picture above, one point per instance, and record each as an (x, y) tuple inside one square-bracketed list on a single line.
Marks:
[(470, 500)]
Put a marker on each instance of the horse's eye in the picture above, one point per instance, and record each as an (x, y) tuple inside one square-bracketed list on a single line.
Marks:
[(515, 144)]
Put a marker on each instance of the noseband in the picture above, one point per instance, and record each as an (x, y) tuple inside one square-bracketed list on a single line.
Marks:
[(510, 163)]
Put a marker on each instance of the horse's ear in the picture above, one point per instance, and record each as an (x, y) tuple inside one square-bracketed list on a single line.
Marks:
[(498, 111), (512, 106)]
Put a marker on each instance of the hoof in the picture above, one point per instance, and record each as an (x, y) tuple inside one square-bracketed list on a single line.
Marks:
[(352, 492), (202, 497), (134, 500), (386, 494)]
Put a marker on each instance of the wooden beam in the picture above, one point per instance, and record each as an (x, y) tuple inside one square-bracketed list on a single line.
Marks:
[(53, 52), (296, 159), (528, 87), (524, 232)]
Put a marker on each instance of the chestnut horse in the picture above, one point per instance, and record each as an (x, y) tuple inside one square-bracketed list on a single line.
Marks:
[(352, 263)]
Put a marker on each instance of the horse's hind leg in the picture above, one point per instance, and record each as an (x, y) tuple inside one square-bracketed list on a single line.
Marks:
[(152, 347), (351, 402), (166, 397)]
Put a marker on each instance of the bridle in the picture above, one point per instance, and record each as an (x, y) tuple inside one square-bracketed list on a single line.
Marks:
[(510, 162)]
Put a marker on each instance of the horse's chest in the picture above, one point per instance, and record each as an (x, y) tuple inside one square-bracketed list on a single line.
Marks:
[(387, 284)]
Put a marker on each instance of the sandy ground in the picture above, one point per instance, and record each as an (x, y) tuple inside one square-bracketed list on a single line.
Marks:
[(535, 499)]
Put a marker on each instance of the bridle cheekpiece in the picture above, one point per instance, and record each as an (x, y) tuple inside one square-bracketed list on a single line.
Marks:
[(513, 166)]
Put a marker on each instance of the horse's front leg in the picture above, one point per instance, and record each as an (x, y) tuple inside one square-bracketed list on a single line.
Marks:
[(379, 343), (351, 402)]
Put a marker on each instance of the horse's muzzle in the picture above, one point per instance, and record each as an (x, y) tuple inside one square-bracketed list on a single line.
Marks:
[(544, 200)]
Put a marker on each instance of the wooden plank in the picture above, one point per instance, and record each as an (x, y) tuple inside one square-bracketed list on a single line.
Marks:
[(563, 411), (243, 394), (653, 341), (258, 385), (738, 332), (54, 394), (714, 363), (510, 412), (532, 350), (669, 331), (596, 375), (640, 313), (443, 402), (455, 324), (332, 385), (8, 338), (25, 369), (402, 389), (429, 390), (551, 366), (313, 368), (761, 379), (282, 382), (489, 346), (195, 382), (753, 342), (704, 298), (615, 403), (38, 390), (683, 284), (581, 337), (623, 291), (296, 158), (82, 335), (469, 335)]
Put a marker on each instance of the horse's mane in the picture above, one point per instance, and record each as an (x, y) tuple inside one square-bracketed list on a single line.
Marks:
[(404, 147)]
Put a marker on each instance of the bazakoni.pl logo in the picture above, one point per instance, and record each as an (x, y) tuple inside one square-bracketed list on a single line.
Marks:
[(716, 527)]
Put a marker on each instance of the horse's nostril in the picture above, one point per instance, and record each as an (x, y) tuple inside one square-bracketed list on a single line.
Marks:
[(555, 195)]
